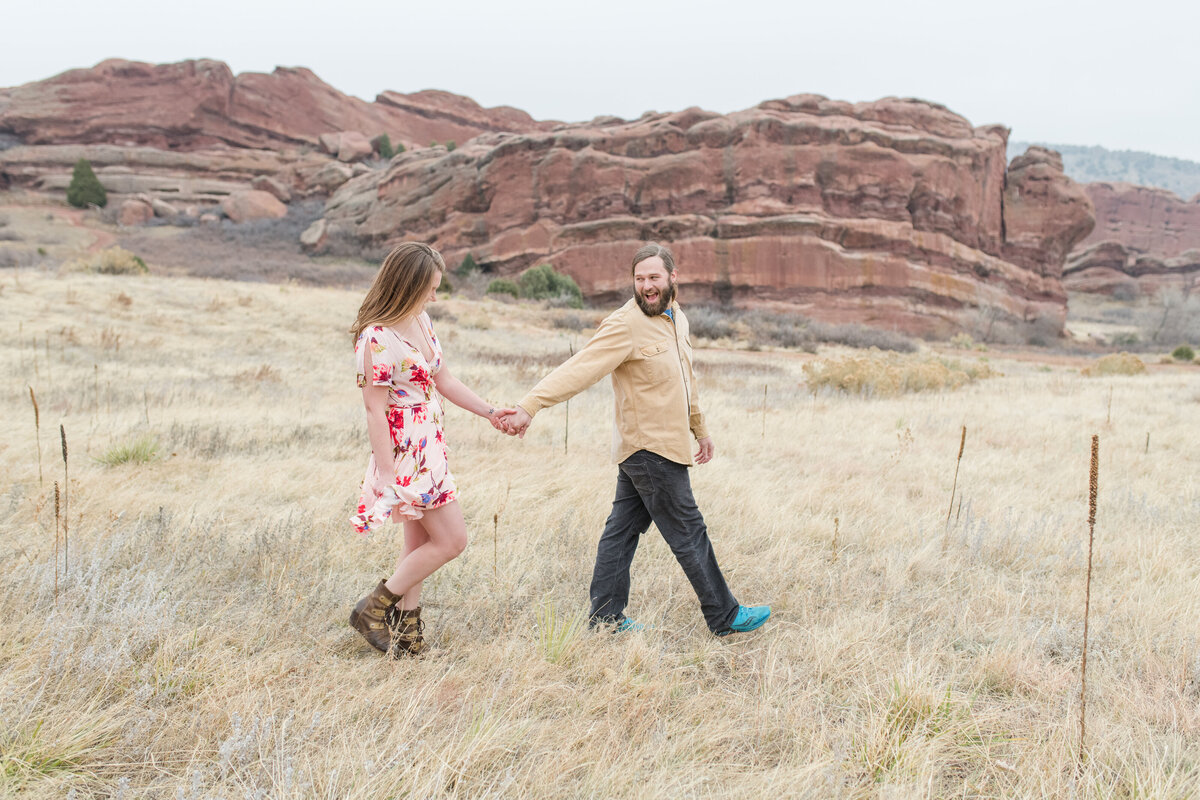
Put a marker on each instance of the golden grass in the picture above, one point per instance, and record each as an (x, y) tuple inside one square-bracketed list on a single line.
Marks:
[(879, 374), (199, 647), (1115, 364)]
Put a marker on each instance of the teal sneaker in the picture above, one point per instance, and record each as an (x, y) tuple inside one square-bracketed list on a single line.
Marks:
[(627, 625), (748, 618)]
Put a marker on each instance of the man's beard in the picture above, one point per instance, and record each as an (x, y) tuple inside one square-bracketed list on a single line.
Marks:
[(664, 301)]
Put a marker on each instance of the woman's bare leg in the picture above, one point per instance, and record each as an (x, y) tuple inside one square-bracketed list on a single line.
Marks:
[(414, 536), (447, 537)]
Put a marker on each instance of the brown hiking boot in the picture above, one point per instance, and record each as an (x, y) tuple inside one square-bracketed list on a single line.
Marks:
[(368, 616), (406, 633)]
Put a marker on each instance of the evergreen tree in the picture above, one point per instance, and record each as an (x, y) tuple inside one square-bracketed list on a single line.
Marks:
[(85, 188), (468, 266)]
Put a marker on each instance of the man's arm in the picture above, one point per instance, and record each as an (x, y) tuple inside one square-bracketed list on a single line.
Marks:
[(604, 352)]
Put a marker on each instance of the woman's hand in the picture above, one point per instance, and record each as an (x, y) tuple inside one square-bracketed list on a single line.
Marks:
[(501, 419)]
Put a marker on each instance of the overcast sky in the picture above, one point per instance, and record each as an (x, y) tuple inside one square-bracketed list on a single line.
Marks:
[(1118, 74)]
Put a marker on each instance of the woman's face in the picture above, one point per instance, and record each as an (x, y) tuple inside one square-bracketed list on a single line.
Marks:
[(431, 296)]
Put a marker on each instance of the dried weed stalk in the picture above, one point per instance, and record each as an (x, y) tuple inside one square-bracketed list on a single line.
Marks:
[(37, 432), (962, 443), (1093, 489), (62, 432), (57, 527)]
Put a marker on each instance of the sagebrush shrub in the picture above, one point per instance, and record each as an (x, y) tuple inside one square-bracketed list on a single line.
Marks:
[(113, 261), (1116, 364), (543, 283), (503, 286), (1183, 353), (881, 374)]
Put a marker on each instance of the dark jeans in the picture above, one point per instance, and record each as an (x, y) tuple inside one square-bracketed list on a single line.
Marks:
[(651, 488)]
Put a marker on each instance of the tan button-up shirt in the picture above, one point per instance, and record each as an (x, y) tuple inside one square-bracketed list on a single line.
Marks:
[(650, 360)]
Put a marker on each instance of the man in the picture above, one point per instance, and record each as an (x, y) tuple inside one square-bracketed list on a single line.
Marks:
[(644, 346)]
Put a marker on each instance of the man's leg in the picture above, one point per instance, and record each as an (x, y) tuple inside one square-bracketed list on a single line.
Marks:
[(666, 491), (610, 577)]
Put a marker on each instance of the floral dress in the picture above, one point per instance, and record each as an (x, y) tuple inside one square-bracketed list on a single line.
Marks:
[(415, 421)]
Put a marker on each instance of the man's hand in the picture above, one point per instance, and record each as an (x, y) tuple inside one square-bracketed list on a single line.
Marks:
[(498, 419), (707, 450), (516, 421)]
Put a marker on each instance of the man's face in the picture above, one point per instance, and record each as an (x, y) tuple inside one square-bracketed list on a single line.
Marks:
[(653, 286)]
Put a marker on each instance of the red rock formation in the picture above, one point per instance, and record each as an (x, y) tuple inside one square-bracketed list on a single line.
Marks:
[(1112, 268), (197, 104), (1154, 221), (893, 213)]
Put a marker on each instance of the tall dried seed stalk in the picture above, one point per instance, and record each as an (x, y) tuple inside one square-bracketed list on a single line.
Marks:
[(62, 432), (962, 443), (764, 412), (833, 545), (37, 433), (1093, 490), (56, 530), (496, 529)]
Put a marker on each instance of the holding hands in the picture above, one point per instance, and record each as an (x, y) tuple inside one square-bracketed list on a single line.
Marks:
[(513, 421)]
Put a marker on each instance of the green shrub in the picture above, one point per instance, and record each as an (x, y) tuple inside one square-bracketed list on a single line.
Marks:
[(141, 450), (385, 146), (1183, 353), (399, 148), (451, 145), (543, 283), (85, 188), (446, 286), (503, 286), (467, 267)]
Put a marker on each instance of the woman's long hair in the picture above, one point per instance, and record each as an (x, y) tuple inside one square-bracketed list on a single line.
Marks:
[(399, 286)]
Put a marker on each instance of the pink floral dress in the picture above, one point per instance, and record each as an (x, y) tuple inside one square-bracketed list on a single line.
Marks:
[(415, 420)]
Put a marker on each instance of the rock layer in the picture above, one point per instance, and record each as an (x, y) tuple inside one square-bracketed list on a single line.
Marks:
[(1153, 221), (895, 213), (199, 104), (1126, 273)]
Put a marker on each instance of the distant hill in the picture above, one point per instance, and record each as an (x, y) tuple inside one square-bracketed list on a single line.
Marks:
[(1088, 164)]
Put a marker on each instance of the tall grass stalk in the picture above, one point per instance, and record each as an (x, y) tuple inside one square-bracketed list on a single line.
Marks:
[(1108, 417), (496, 530), (57, 527), (1093, 490), (833, 545), (62, 432), (954, 487), (37, 433), (764, 412)]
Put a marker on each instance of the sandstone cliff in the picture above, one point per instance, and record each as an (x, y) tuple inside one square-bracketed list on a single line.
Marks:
[(895, 213), (198, 104), (1154, 221)]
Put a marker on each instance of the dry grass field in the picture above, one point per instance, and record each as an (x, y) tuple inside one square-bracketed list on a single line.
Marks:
[(191, 641)]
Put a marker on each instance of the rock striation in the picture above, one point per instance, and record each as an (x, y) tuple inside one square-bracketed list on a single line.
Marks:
[(896, 213), (199, 104), (194, 133), (1111, 268), (1153, 221)]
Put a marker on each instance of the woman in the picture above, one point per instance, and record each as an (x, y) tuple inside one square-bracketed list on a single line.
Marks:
[(401, 372)]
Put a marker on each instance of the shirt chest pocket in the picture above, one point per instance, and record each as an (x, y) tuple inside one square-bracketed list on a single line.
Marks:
[(658, 363)]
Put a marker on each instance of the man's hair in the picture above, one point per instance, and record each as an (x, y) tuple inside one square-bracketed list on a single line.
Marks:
[(651, 250)]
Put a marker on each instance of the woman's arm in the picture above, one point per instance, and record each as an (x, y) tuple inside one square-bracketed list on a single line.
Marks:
[(461, 395), (375, 398)]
